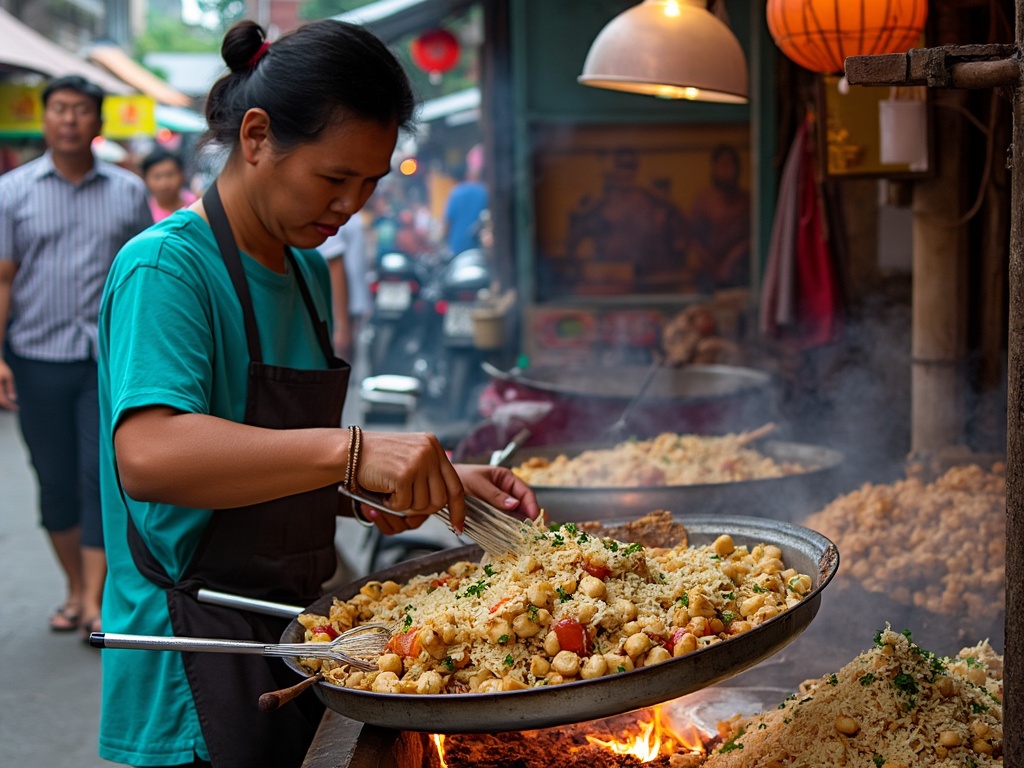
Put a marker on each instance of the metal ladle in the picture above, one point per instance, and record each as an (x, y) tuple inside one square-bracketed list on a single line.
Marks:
[(618, 429)]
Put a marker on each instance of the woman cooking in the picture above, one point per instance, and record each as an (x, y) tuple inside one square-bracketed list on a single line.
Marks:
[(220, 398)]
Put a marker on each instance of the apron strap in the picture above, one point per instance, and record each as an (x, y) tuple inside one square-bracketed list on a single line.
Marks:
[(232, 260), (319, 326), (229, 252)]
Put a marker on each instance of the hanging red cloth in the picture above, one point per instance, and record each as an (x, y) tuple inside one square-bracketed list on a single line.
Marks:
[(801, 301)]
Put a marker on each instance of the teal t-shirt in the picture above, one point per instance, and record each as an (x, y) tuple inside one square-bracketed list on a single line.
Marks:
[(171, 333)]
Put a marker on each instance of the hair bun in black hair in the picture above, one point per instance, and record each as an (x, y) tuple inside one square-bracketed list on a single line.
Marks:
[(241, 42)]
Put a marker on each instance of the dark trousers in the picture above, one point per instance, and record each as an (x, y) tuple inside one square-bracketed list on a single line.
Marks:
[(58, 410)]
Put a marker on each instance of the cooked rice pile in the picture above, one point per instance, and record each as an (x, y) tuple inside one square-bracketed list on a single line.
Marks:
[(894, 706), (940, 546), (668, 459), (572, 606)]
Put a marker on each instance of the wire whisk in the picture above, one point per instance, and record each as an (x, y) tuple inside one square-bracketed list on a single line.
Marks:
[(358, 647), (496, 532)]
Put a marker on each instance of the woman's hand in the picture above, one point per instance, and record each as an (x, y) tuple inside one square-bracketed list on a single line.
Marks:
[(499, 487), (414, 473)]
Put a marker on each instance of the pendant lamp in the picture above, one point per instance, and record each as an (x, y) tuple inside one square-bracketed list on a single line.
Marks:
[(820, 34), (673, 49)]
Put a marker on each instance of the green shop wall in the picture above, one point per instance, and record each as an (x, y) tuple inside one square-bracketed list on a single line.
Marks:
[(548, 43)]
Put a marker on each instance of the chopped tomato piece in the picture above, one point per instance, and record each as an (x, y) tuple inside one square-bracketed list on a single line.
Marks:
[(676, 636), (498, 604), (597, 570), (325, 629), (572, 636), (405, 643), (440, 582)]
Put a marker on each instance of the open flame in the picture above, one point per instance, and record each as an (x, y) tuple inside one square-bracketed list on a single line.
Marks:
[(653, 737), (439, 744)]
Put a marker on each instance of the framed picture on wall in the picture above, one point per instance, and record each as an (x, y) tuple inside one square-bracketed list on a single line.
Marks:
[(641, 209)]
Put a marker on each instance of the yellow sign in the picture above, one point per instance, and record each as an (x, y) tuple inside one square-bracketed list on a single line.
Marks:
[(126, 117), (21, 110)]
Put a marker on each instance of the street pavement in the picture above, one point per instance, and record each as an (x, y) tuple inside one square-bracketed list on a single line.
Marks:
[(50, 682)]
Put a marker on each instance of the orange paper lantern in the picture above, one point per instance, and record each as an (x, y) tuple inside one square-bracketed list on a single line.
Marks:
[(820, 34)]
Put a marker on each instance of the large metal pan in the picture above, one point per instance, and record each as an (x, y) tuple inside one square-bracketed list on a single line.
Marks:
[(803, 549), (782, 498), (585, 402)]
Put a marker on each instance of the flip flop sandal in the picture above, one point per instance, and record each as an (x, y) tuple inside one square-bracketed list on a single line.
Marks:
[(65, 619)]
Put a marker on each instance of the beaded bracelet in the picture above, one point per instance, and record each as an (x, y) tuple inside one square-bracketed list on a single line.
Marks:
[(355, 448), (350, 483)]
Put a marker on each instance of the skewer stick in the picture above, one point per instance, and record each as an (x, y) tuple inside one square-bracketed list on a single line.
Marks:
[(750, 437)]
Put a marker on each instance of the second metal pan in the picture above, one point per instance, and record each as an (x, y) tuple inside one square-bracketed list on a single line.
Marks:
[(803, 549), (788, 498)]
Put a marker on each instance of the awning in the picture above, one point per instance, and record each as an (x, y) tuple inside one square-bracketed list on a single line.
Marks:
[(455, 109), (179, 120), (25, 49), (121, 65), (393, 19)]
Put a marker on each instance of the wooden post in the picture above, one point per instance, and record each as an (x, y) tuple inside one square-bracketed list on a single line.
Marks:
[(1013, 669), (939, 334)]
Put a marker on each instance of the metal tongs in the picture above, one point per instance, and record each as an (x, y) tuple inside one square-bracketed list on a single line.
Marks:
[(498, 533)]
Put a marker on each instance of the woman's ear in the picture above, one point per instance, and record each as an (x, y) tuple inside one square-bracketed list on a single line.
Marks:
[(254, 135)]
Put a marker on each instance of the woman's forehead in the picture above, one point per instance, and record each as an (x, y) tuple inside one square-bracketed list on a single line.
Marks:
[(353, 147)]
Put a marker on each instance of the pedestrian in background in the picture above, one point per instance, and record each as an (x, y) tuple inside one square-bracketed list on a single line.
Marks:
[(63, 217), (345, 253), (468, 199), (164, 174)]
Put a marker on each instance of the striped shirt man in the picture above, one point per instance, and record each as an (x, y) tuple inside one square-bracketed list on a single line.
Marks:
[(63, 238)]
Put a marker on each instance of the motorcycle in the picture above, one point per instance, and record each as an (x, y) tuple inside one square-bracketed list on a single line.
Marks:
[(450, 364), (396, 322)]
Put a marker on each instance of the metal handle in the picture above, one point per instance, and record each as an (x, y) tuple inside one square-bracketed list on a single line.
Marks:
[(499, 457), (248, 604), (157, 643), (205, 645)]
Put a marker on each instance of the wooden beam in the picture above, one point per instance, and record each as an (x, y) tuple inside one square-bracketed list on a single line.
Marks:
[(1013, 655), (953, 66)]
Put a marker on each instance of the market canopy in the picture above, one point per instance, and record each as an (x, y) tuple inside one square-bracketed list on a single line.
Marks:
[(179, 120), (26, 50), (121, 65), (393, 19)]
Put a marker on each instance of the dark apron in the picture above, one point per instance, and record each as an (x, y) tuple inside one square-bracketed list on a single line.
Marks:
[(280, 550)]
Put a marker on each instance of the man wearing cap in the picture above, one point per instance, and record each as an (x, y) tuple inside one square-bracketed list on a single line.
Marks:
[(63, 217)]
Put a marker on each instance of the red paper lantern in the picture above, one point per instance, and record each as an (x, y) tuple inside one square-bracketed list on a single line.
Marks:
[(435, 51), (820, 34)]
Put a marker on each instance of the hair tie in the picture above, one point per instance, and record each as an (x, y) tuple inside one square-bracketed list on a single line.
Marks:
[(259, 54)]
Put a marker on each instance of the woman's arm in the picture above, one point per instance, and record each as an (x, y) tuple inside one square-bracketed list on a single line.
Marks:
[(196, 460)]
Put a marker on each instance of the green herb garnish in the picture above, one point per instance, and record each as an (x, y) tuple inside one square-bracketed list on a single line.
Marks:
[(732, 744), (476, 589)]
